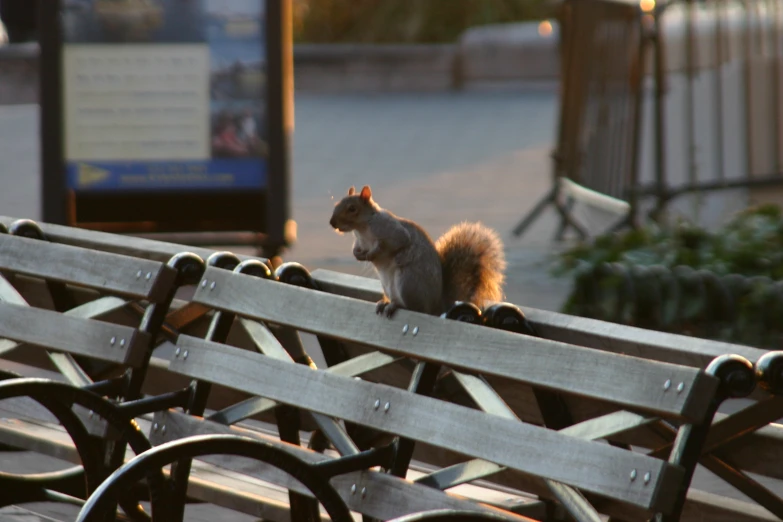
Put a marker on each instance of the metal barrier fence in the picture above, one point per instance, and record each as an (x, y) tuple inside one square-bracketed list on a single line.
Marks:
[(602, 58), (712, 74), (726, 56)]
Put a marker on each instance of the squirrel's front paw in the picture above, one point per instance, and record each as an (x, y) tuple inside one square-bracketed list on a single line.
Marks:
[(386, 308), (360, 254)]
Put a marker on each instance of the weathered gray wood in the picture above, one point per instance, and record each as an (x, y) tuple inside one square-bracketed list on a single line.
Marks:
[(364, 363), (473, 348), (586, 465), (608, 425), (208, 482), (70, 369), (489, 401), (593, 429), (704, 506), (9, 294), (50, 439), (403, 497), (116, 243), (758, 414), (63, 361), (591, 333), (73, 335), (268, 345), (364, 288), (264, 340), (256, 405), (484, 396), (124, 275)]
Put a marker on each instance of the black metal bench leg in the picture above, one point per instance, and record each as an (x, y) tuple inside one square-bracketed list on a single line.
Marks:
[(101, 501), (303, 508), (77, 481), (737, 379), (59, 398)]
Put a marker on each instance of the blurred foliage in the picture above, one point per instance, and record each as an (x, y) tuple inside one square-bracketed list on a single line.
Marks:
[(751, 244), (404, 21), (724, 285)]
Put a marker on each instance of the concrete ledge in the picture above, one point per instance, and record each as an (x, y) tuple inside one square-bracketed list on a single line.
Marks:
[(18, 74), (504, 52), (337, 67)]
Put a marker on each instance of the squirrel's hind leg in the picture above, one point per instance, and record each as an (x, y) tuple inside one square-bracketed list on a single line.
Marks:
[(417, 292)]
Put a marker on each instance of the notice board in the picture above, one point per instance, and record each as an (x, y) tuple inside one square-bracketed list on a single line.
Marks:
[(168, 117)]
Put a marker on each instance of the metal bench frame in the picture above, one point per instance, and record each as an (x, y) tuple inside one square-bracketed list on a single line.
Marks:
[(264, 300)]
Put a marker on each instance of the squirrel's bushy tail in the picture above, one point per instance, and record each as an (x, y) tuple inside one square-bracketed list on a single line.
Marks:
[(473, 264)]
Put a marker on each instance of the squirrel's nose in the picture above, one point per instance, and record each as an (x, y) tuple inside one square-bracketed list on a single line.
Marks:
[(333, 223)]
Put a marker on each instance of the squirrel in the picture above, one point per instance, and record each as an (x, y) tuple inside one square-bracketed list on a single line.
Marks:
[(467, 263)]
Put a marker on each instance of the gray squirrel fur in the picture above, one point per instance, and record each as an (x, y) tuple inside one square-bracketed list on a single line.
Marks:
[(466, 263)]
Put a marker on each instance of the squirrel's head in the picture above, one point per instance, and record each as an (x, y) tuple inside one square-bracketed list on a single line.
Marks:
[(354, 210)]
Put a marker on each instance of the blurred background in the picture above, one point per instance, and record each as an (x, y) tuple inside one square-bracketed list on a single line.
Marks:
[(643, 140)]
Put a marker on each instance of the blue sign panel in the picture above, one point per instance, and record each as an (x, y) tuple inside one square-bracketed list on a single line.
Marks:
[(164, 95)]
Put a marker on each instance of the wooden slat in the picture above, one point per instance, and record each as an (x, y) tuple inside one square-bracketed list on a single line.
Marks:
[(207, 482), (211, 483), (393, 497), (591, 466), (102, 271), (213, 479), (271, 347), (591, 333), (116, 243), (599, 428), (632, 382), (73, 335), (9, 294)]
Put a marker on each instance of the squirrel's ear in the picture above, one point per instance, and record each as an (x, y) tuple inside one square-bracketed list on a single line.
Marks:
[(352, 190), (366, 193)]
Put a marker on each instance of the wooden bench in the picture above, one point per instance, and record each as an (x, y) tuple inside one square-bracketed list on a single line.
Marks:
[(570, 465), (90, 321), (754, 451), (746, 442)]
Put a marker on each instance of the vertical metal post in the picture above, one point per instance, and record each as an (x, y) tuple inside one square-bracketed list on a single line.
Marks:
[(645, 38), (748, 68), (53, 189), (280, 114), (661, 189), (776, 66), (690, 123), (719, 38)]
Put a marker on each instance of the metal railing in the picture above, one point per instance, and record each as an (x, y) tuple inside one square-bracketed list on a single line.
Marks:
[(602, 58), (707, 75), (724, 58)]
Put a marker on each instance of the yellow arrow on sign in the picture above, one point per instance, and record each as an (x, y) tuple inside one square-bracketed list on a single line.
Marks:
[(89, 175)]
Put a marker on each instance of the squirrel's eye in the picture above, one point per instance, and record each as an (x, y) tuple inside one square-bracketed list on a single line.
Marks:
[(351, 208)]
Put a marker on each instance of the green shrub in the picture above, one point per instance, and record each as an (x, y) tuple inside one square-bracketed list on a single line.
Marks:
[(723, 285), (751, 244)]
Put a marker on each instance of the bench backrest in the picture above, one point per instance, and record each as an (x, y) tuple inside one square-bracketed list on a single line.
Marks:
[(498, 438), (631, 382), (581, 331), (73, 329), (748, 440)]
